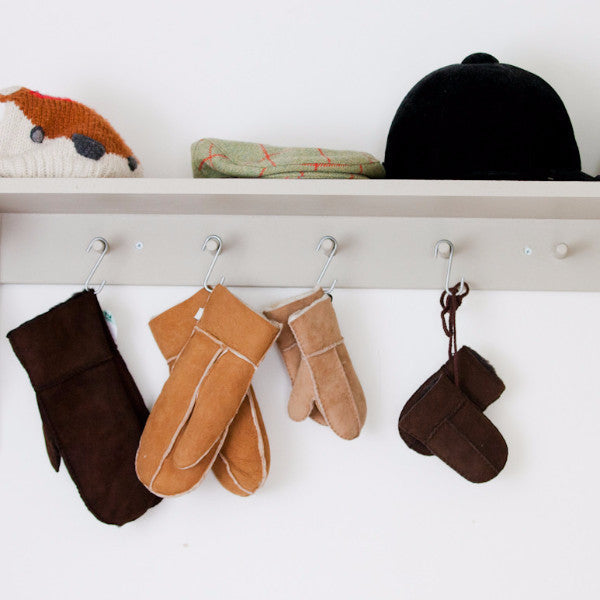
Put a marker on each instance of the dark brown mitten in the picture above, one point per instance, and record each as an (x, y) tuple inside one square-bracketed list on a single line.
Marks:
[(92, 412), (444, 420), (478, 381)]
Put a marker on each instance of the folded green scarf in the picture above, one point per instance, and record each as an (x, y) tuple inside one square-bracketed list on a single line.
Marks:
[(221, 158)]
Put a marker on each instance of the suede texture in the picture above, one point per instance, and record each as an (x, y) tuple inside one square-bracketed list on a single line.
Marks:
[(478, 381), (453, 428), (482, 119), (242, 463), (322, 373), (92, 412), (208, 382), (288, 347)]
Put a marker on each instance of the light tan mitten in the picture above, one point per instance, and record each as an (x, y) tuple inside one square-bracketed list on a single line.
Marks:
[(288, 347), (324, 383), (205, 390), (243, 461)]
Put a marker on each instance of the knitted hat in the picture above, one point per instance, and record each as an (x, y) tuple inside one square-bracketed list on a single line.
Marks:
[(43, 136), (482, 120)]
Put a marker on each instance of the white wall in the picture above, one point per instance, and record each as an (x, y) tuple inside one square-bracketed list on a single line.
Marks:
[(365, 519)]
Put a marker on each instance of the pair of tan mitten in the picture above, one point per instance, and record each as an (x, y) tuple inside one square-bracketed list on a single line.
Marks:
[(324, 383), (206, 415)]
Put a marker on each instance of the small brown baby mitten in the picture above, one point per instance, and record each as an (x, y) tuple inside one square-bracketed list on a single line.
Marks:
[(92, 412), (324, 383), (445, 415), (478, 382), (242, 463), (207, 385), (453, 428)]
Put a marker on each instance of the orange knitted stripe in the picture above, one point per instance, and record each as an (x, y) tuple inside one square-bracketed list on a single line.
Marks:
[(61, 117)]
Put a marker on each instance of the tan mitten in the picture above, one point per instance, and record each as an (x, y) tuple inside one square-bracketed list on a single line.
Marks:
[(243, 462), (302, 405), (326, 370), (208, 382)]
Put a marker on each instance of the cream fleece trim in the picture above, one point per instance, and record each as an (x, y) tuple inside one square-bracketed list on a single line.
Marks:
[(232, 476), (260, 447), (326, 349), (283, 303), (227, 427), (225, 346), (208, 468), (305, 357), (260, 441), (184, 420), (300, 312)]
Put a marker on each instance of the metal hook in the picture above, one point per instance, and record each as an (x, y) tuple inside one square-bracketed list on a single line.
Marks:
[(217, 251), (450, 257), (86, 285), (329, 259)]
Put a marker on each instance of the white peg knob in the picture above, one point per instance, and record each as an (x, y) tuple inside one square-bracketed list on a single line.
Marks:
[(561, 250), (444, 250), (212, 245)]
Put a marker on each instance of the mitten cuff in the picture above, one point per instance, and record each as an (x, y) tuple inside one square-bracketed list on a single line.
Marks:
[(316, 327), (476, 377), (69, 338), (236, 325), (282, 312), (173, 327)]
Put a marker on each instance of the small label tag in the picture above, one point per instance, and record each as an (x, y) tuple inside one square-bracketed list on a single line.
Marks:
[(199, 314), (112, 324)]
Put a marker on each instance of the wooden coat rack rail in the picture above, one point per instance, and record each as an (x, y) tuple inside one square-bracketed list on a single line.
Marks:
[(508, 235)]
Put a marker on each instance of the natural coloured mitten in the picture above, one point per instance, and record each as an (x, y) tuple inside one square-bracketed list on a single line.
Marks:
[(212, 157), (325, 378), (44, 136), (288, 347), (453, 428), (206, 387), (92, 412), (478, 382), (242, 464)]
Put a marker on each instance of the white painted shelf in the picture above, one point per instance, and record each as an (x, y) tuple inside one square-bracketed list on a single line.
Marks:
[(398, 198), (386, 230)]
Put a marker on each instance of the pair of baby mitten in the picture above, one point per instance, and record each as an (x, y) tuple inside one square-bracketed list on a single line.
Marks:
[(445, 417), (324, 383), (206, 415), (92, 412)]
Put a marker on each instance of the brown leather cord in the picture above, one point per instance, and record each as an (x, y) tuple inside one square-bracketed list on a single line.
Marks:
[(450, 303)]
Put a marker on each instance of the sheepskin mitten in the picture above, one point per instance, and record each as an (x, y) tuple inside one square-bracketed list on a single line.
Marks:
[(206, 387), (478, 382), (453, 428), (44, 136), (242, 463), (212, 157), (288, 347), (92, 412), (324, 377)]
